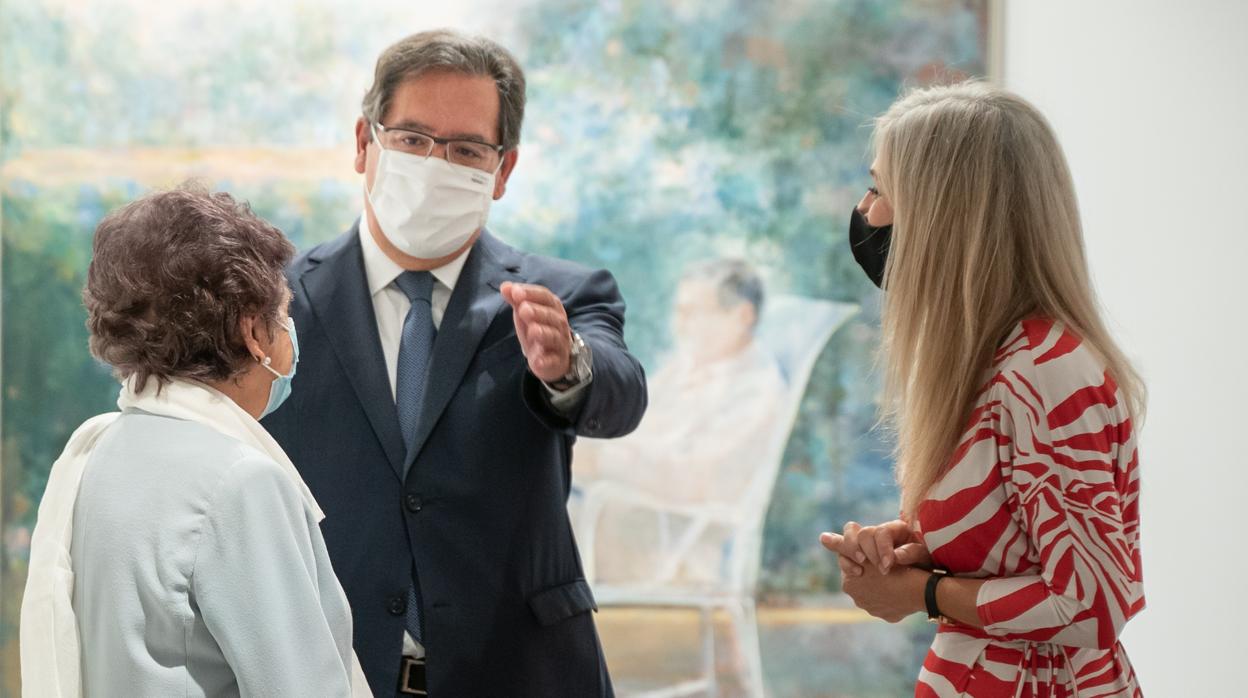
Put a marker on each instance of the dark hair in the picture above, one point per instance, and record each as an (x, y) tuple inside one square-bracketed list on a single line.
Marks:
[(735, 281), (443, 49), (172, 274)]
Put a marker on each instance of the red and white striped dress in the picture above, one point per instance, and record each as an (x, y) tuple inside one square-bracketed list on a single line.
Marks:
[(1041, 499)]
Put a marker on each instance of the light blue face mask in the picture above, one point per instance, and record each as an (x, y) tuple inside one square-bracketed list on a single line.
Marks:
[(280, 388)]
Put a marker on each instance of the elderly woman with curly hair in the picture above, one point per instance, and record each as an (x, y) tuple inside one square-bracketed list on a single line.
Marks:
[(177, 550)]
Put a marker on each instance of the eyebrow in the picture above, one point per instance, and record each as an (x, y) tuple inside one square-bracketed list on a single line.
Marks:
[(425, 128)]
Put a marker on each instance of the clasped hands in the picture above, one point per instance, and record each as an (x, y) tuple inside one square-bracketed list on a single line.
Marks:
[(883, 568)]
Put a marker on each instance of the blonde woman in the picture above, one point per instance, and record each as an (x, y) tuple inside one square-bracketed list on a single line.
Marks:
[(1014, 409)]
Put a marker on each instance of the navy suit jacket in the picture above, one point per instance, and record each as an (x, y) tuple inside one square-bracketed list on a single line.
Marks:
[(481, 511)]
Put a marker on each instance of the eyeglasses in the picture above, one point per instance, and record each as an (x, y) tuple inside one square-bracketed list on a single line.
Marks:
[(486, 157)]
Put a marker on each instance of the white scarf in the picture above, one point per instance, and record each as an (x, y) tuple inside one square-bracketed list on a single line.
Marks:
[(49, 629)]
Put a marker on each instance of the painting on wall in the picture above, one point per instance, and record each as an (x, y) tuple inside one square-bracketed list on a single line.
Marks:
[(707, 152)]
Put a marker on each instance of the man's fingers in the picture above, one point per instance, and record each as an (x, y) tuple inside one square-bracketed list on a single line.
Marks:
[(545, 347), (543, 325), (548, 330), (532, 293), (543, 314), (546, 335), (512, 293), (530, 331), (539, 360), (522, 327)]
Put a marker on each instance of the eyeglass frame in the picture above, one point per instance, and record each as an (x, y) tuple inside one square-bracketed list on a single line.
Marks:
[(500, 149)]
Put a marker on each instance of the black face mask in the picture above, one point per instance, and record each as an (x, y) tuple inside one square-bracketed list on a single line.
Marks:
[(870, 246)]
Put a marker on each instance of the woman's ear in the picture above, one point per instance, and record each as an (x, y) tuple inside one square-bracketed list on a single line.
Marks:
[(250, 329)]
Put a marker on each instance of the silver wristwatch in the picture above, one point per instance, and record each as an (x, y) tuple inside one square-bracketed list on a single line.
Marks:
[(580, 368)]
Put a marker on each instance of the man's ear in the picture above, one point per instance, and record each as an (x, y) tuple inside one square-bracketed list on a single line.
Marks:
[(746, 314), (363, 137), (504, 172)]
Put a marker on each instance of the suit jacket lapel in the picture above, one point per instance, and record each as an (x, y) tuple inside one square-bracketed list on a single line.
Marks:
[(474, 304), (338, 293)]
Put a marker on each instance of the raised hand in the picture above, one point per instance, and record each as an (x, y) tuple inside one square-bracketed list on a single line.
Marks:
[(542, 328)]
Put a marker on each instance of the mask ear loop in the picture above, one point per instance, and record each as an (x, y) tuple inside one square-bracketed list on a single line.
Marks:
[(266, 363)]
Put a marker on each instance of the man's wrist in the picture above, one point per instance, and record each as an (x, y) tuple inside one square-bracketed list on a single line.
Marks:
[(580, 367)]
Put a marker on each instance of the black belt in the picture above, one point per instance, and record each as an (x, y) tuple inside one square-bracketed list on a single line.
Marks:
[(412, 677)]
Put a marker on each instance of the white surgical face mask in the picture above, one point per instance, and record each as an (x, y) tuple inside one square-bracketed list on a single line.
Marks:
[(428, 207)]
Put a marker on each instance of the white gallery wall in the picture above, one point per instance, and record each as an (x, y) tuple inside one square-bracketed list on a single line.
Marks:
[(1150, 101)]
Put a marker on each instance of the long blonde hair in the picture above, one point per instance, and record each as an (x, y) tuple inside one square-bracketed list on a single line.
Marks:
[(986, 233)]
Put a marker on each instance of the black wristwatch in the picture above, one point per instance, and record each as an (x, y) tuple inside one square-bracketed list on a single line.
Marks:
[(580, 367), (929, 597)]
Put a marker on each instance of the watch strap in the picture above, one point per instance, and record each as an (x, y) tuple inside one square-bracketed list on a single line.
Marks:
[(929, 596)]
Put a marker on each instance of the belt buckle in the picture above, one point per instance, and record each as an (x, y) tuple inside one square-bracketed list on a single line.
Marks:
[(412, 677)]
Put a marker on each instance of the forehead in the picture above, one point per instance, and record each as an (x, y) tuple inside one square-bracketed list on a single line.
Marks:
[(695, 292), (447, 104)]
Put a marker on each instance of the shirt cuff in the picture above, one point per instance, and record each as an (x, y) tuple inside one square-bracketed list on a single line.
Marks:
[(566, 402)]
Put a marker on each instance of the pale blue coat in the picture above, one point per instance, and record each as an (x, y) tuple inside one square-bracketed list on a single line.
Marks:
[(200, 571)]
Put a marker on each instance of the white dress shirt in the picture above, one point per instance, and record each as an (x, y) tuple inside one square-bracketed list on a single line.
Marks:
[(390, 305)]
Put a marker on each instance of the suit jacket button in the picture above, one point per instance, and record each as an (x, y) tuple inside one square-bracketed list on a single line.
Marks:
[(412, 502), (592, 424), (397, 606)]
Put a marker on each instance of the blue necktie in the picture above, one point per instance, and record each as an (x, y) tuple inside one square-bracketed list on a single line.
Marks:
[(415, 349)]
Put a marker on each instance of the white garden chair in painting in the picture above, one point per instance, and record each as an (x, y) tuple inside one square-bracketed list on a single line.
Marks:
[(794, 330)]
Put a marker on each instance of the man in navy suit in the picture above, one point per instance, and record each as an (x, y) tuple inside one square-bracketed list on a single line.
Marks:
[(443, 379)]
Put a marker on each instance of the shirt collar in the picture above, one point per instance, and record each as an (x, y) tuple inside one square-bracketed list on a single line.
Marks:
[(381, 271)]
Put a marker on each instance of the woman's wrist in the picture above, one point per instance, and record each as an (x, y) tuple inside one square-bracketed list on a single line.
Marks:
[(916, 588)]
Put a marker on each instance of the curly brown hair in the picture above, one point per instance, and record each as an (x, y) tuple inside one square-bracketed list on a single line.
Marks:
[(171, 275)]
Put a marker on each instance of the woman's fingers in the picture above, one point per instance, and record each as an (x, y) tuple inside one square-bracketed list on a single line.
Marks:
[(850, 533), (836, 543), (849, 568), (882, 541), (866, 542), (914, 555), (899, 531)]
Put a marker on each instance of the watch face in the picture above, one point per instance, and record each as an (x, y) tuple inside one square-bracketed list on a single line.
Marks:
[(580, 368), (582, 358)]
